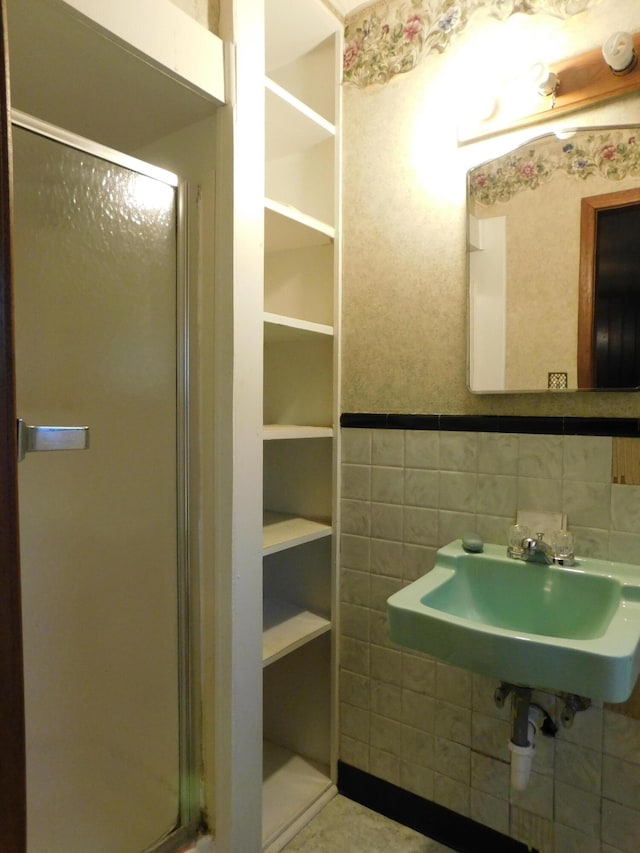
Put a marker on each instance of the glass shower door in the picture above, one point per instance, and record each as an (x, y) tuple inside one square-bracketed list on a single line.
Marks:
[(97, 345)]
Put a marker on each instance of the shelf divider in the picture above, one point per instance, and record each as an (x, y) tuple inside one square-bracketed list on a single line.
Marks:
[(288, 626)]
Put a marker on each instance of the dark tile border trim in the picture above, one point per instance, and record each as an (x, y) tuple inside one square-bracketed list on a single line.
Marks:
[(436, 822), (627, 427)]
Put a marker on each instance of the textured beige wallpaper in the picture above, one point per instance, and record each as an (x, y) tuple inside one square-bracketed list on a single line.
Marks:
[(404, 228)]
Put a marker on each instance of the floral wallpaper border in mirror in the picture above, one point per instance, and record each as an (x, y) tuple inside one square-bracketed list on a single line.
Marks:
[(610, 154), (394, 36)]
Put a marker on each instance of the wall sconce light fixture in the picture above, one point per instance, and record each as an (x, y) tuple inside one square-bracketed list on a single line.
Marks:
[(574, 83), (619, 53), (546, 82)]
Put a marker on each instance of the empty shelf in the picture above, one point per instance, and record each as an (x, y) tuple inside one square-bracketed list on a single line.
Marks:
[(281, 328), (292, 786), (281, 531), (286, 627), (285, 431)]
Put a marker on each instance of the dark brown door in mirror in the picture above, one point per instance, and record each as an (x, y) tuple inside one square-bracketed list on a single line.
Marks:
[(609, 315)]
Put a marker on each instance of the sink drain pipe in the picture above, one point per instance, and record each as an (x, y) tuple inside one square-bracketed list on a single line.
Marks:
[(526, 719)]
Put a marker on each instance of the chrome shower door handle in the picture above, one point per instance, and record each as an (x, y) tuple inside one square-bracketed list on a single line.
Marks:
[(32, 439)]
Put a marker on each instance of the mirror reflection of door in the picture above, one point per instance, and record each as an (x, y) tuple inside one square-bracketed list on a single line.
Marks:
[(609, 297)]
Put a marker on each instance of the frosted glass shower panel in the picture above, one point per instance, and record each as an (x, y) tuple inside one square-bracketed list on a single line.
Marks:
[(95, 291)]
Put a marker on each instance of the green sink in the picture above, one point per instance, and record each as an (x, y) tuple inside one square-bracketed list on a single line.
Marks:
[(575, 630)]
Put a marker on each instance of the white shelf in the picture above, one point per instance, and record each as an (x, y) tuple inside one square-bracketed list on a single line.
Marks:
[(282, 432), (293, 787), (286, 627), (281, 530), (49, 40), (294, 29), (286, 227), (279, 328), (291, 125)]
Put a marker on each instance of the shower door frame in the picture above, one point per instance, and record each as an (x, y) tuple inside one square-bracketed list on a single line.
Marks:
[(13, 804), (12, 741)]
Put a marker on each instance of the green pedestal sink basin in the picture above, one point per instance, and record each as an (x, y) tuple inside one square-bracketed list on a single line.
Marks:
[(574, 630)]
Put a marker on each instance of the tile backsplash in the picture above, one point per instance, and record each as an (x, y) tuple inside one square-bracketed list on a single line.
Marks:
[(434, 729)]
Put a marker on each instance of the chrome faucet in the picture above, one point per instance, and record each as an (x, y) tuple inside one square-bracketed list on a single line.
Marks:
[(536, 550)]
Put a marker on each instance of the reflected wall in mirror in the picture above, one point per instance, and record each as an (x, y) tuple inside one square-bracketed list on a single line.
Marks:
[(543, 274)]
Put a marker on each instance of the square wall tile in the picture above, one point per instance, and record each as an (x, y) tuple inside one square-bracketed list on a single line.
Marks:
[(622, 736), (386, 700), (355, 517), (577, 809), (587, 503), (384, 765), (451, 793), (534, 831), (417, 560), (625, 508), (458, 491), (620, 826), (451, 525), (388, 447), (587, 458), (418, 747), (386, 521), (356, 482), (578, 766), (452, 759), (459, 451), (453, 685), (490, 736), (453, 722), (386, 665), (422, 449), (417, 779), (497, 453), (421, 488), (490, 775), (419, 673), (387, 485), (538, 796), (386, 734), (421, 526), (571, 841), (386, 558), (621, 782), (356, 446), (418, 710), (540, 456), (355, 552), (489, 811), (354, 622), (624, 547), (354, 752), (540, 494), (497, 495)]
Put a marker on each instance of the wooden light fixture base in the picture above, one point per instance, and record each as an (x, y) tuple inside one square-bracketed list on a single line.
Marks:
[(584, 80)]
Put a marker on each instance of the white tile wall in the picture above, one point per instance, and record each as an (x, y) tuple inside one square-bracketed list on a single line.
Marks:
[(435, 729)]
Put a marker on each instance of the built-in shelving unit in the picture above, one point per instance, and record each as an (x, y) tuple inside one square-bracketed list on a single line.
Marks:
[(301, 273)]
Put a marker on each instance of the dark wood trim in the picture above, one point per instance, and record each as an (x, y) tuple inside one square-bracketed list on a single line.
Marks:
[(589, 209), (12, 737)]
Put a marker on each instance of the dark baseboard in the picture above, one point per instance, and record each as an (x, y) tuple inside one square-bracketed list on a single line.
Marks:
[(436, 822)]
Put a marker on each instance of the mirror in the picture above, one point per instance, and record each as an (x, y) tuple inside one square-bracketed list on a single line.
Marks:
[(554, 264)]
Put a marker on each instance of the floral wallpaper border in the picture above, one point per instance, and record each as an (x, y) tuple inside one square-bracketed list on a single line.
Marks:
[(609, 154), (394, 36)]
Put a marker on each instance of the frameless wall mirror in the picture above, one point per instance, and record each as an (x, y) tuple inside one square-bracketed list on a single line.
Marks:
[(554, 264)]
